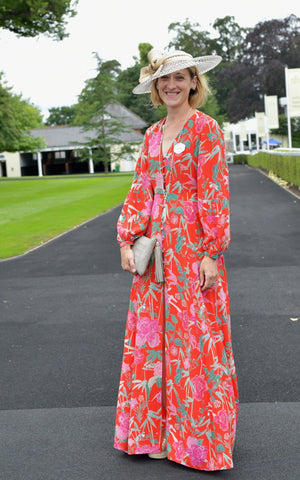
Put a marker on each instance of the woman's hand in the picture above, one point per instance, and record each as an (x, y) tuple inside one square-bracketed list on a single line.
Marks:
[(208, 273), (127, 259)]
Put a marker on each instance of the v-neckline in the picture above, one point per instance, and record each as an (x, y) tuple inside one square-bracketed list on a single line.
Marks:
[(175, 138)]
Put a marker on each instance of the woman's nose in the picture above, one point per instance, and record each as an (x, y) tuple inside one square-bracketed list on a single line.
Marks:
[(171, 82)]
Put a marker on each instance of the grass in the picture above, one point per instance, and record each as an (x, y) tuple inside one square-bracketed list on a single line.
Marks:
[(34, 211)]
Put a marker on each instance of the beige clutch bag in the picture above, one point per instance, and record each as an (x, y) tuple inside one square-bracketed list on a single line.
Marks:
[(143, 248)]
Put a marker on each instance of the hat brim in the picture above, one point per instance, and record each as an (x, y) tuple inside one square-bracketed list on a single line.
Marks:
[(203, 64)]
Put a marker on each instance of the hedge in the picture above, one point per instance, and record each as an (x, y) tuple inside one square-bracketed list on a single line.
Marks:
[(286, 167)]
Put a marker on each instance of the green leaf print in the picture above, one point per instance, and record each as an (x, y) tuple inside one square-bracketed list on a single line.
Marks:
[(154, 165), (220, 448), (215, 172), (179, 243), (169, 326), (178, 376)]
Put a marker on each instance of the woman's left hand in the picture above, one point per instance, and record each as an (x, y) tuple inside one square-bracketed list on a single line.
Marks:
[(208, 273)]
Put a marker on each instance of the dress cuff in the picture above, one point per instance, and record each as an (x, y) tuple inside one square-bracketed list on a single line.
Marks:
[(122, 244)]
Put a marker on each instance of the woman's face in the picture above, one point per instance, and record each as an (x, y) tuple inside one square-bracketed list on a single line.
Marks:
[(174, 88)]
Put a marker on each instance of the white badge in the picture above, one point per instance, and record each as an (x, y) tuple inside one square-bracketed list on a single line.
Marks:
[(179, 148)]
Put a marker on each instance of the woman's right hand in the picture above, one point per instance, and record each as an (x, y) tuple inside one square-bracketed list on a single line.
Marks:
[(127, 259)]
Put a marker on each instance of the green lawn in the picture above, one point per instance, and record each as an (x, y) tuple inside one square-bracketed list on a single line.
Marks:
[(33, 211)]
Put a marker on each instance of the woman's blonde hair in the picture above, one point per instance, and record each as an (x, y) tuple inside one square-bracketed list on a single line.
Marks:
[(197, 97)]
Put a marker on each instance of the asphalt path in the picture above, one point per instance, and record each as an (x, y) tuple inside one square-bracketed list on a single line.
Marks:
[(62, 319)]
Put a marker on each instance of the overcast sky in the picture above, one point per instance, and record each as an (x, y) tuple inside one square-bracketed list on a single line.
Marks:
[(51, 73)]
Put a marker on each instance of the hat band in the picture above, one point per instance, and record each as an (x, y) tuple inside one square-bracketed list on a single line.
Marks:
[(157, 64)]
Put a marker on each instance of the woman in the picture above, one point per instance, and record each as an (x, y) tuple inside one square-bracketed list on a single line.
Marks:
[(178, 390)]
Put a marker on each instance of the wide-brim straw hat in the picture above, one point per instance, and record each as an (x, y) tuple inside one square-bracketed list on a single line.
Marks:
[(163, 64)]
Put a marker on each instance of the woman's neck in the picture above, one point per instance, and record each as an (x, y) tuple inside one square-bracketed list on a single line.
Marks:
[(176, 115)]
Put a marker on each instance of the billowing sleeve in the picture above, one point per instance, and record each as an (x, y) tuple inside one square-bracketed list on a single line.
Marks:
[(137, 207), (213, 191)]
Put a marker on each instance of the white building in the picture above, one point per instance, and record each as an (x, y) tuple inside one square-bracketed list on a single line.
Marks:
[(61, 152)]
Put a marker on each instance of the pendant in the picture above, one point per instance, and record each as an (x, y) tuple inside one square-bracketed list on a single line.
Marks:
[(164, 213), (179, 147)]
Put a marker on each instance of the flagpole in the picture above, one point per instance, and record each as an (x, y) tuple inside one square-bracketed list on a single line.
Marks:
[(267, 126), (288, 107)]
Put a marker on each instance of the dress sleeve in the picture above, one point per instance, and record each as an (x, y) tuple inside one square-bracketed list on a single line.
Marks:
[(137, 207), (213, 191)]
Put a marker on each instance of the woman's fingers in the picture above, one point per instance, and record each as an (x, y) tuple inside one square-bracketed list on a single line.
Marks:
[(127, 259), (208, 273)]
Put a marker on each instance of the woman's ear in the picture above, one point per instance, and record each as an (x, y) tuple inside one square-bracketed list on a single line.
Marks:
[(194, 83)]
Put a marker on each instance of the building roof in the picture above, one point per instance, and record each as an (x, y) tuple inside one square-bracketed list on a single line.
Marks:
[(126, 116), (68, 137)]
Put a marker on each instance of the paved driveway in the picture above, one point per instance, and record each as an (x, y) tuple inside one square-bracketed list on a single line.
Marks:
[(62, 319)]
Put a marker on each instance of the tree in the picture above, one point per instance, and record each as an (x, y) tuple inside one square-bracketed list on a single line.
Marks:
[(190, 38), (102, 128), (225, 42), (230, 38), (128, 79), (29, 18), (61, 115), (259, 69), (17, 117), (283, 129)]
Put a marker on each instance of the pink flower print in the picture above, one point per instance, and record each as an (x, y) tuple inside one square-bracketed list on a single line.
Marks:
[(179, 450), (133, 403), (201, 162), (193, 341), (123, 427), (203, 327), (148, 332), (190, 211), (222, 296), (156, 207), (125, 367), (174, 219), (197, 453), (138, 356), (167, 229), (131, 442), (158, 397), (173, 350), (154, 144), (146, 211), (200, 386), (199, 123), (185, 319), (186, 363), (230, 389), (158, 369), (159, 179), (146, 181), (131, 323), (222, 420), (195, 267)]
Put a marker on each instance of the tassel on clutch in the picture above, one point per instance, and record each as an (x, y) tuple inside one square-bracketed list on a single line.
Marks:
[(143, 249), (159, 266)]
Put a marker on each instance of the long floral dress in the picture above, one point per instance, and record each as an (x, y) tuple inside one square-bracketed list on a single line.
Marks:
[(192, 327)]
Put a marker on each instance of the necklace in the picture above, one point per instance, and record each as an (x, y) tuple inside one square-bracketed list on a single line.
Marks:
[(179, 147)]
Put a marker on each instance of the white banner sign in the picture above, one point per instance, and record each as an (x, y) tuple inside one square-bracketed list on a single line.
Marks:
[(261, 128), (243, 131), (226, 129), (293, 91), (271, 109)]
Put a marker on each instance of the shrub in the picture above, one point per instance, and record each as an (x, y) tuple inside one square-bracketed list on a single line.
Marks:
[(286, 167), (240, 159)]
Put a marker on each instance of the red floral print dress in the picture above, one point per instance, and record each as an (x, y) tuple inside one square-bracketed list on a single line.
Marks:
[(192, 327)]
